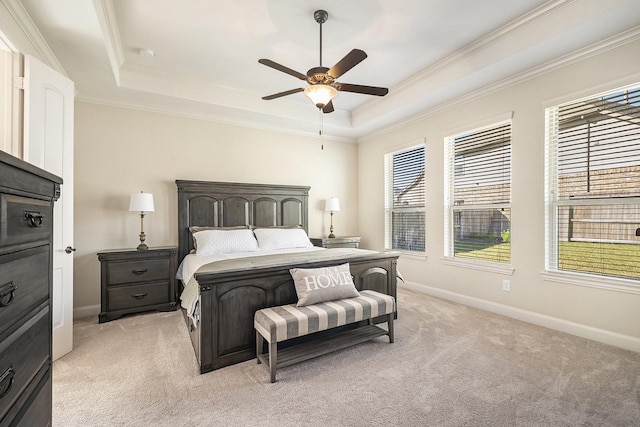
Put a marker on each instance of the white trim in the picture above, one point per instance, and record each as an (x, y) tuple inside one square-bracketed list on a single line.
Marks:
[(490, 39), (626, 342), (418, 256), (86, 311), (476, 264), (106, 14), (626, 82), (33, 35), (591, 281), (210, 117), (478, 125), (532, 73)]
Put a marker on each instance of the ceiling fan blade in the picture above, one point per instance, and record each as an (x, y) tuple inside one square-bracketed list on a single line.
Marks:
[(367, 90), (276, 66), (328, 108), (280, 94), (352, 59)]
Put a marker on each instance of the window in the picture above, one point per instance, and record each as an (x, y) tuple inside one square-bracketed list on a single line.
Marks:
[(405, 199), (478, 194), (593, 186)]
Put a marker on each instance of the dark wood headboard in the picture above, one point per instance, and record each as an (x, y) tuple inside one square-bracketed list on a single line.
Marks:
[(225, 204)]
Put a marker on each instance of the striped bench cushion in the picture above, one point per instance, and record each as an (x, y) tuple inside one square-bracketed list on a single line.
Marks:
[(281, 323)]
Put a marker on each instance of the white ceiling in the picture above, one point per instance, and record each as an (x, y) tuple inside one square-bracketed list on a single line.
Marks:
[(426, 52)]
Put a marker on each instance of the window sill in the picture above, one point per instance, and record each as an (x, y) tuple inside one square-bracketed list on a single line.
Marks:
[(419, 256), (580, 279), (492, 267)]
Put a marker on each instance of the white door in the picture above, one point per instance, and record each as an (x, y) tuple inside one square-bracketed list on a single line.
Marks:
[(48, 144)]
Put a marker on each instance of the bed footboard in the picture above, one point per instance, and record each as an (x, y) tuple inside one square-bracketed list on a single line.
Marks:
[(228, 302)]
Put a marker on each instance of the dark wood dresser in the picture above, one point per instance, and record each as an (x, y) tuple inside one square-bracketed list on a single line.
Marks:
[(133, 281), (27, 194)]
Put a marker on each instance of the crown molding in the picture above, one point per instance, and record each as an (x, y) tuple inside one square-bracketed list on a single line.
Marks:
[(594, 49), (37, 45), (506, 30), (212, 117), (106, 13)]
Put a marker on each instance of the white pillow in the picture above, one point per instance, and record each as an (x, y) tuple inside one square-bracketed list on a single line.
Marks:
[(282, 238), (211, 242)]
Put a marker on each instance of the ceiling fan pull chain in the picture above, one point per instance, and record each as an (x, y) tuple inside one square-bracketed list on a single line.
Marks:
[(321, 130)]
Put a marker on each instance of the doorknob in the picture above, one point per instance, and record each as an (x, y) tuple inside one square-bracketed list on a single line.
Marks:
[(69, 249)]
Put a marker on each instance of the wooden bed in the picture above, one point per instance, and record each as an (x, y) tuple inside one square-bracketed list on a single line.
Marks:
[(228, 299)]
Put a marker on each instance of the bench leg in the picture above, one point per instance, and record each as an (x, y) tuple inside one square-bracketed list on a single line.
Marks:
[(259, 343), (273, 360), (390, 326)]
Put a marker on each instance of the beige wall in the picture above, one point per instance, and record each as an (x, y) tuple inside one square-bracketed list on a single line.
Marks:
[(120, 151), (596, 313)]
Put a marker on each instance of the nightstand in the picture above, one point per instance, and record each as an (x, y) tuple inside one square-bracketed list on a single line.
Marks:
[(133, 281), (337, 242)]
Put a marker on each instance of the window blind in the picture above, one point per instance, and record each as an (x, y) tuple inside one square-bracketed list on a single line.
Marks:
[(405, 199), (593, 185), (479, 193)]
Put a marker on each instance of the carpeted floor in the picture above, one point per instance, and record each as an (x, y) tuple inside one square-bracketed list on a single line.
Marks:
[(450, 365)]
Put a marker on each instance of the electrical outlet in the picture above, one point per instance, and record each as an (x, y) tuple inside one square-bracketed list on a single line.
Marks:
[(506, 285)]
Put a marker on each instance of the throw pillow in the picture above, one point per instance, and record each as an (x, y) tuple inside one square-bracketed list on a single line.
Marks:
[(314, 285)]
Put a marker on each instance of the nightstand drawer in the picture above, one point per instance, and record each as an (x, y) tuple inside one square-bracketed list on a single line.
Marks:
[(133, 281), (137, 271), (337, 242), (24, 283), (137, 296), (21, 356)]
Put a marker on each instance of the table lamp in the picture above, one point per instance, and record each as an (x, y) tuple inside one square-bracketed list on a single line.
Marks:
[(141, 202), (332, 205)]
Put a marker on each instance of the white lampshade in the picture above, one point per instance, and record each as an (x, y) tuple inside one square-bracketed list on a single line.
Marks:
[(141, 202), (321, 94), (332, 205)]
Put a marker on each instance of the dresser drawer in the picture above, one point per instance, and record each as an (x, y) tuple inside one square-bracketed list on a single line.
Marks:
[(136, 296), (21, 356), (38, 413), (24, 220), (24, 283), (137, 271)]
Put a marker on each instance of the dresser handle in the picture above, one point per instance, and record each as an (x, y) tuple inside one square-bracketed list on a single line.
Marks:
[(139, 272), (34, 219), (139, 296), (7, 290), (6, 381)]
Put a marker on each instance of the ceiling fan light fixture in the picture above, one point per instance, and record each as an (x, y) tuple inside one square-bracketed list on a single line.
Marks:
[(321, 94)]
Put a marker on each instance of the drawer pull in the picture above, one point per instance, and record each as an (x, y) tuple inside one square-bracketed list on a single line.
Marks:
[(7, 290), (139, 272), (34, 219), (139, 296), (6, 381)]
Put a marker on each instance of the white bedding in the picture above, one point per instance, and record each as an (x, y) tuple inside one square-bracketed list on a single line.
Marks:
[(189, 299)]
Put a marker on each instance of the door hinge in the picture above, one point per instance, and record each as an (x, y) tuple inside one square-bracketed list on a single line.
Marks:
[(18, 82)]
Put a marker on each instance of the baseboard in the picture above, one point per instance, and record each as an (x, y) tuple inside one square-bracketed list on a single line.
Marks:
[(607, 337), (86, 311)]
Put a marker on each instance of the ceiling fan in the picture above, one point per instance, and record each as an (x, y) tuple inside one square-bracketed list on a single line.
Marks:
[(323, 86)]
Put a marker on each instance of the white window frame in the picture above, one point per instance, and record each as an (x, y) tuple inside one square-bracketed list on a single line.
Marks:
[(449, 258), (388, 202), (552, 273)]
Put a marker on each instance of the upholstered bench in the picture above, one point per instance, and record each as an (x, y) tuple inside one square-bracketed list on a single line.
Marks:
[(278, 324)]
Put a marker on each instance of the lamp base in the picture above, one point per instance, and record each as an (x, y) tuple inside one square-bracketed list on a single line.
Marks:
[(331, 235), (142, 246)]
